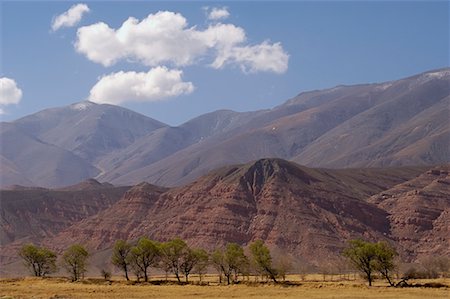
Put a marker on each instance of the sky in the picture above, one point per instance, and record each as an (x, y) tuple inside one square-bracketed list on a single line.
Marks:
[(173, 61)]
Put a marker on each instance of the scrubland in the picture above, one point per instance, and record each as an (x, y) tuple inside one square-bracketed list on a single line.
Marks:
[(311, 286)]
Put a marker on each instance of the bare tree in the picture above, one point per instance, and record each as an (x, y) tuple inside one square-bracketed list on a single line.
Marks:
[(202, 263)]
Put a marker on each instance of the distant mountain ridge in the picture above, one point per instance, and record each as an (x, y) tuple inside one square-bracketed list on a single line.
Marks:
[(30, 214), (402, 122)]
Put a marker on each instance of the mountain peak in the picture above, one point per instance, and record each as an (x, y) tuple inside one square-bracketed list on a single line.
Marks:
[(264, 170), (145, 187), (80, 106), (89, 184), (254, 176)]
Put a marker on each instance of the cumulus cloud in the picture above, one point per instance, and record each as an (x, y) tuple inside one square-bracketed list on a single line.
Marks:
[(166, 38), (9, 93), (216, 14), (71, 17), (263, 57), (157, 84)]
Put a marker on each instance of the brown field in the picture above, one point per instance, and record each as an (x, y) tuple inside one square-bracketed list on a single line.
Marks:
[(311, 287)]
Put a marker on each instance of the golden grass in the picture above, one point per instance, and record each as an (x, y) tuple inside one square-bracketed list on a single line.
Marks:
[(311, 287)]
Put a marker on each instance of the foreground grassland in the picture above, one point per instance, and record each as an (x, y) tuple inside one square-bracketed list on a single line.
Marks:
[(311, 287)]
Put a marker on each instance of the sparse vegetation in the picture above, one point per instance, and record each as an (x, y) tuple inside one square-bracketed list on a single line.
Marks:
[(190, 258), (434, 267), (202, 263), (177, 258), (429, 268), (283, 264), (310, 287), (106, 274)]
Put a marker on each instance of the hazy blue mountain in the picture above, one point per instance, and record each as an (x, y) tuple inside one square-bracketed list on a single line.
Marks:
[(402, 122)]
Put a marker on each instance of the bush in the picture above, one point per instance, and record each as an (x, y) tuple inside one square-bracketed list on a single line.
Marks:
[(106, 274), (435, 266), (413, 273)]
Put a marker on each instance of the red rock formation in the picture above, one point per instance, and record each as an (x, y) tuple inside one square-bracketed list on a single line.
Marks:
[(33, 214), (420, 213), (309, 213)]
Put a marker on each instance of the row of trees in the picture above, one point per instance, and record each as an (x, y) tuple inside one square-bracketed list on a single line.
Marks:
[(379, 258), (42, 261), (178, 258), (174, 256)]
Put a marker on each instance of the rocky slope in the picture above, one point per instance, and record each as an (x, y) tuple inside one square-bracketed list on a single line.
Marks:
[(419, 213), (306, 212), (32, 214)]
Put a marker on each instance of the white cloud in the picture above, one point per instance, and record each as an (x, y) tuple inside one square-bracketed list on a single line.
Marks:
[(166, 38), (9, 93), (99, 43), (157, 84), (264, 57), (71, 17), (216, 14)]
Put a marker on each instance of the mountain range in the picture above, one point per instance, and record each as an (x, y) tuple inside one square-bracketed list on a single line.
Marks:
[(305, 213), (367, 161), (397, 123)]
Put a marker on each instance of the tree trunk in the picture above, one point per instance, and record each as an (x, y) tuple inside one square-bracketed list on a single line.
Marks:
[(386, 275), (178, 276), (145, 276), (39, 270), (126, 272), (34, 269), (389, 281)]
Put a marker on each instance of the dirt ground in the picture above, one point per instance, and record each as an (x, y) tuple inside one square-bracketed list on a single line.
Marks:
[(310, 287)]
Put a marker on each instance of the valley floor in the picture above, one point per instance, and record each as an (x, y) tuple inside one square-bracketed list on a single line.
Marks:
[(309, 288)]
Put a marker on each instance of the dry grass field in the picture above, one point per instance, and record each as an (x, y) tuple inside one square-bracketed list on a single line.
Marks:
[(311, 287)]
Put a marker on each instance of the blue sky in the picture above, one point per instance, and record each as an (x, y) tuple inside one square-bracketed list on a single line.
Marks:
[(327, 44)]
